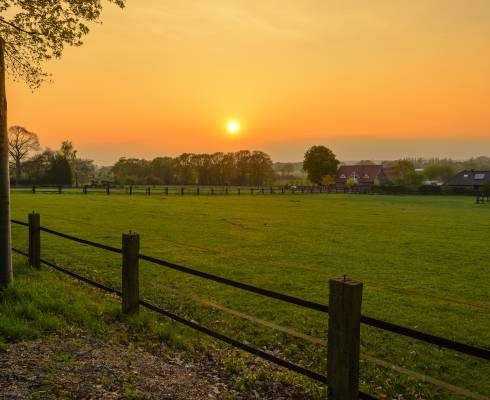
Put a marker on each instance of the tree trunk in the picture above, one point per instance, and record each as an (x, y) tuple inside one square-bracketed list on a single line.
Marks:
[(5, 238), (17, 172)]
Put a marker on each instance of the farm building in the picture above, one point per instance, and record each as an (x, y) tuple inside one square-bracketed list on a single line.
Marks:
[(363, 175), (475, 179)]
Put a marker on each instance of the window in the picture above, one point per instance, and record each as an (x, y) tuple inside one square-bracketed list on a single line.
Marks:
[(479, 176), (342, 176), (465, 176), (366, 176)]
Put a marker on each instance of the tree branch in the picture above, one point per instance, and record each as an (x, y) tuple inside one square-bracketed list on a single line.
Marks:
[(19, 28)]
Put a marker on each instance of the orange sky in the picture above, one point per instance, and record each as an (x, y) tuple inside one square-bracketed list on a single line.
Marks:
[(372, 80)]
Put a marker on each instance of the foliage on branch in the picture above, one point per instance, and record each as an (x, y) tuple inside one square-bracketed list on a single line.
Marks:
[(35, 31)]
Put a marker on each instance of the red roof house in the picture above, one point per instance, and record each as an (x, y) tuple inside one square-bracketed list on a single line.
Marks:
[(363, 175)]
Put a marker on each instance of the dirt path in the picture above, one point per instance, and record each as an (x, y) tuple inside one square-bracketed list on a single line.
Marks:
[(86, 367)]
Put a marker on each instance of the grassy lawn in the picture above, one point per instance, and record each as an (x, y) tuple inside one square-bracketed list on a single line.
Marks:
[(424, 262)]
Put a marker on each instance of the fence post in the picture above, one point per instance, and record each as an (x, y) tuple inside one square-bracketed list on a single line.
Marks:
[(59, 189), (344, 336), (212, 191), (197, 191), (34, 189), (238, 192), (34, 240), (108, 189), (130, 273)]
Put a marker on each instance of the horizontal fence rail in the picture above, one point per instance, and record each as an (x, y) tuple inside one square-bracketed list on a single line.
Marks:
[(373, 322), (82, 241), (264, 292), (428, 338), (242, 346)]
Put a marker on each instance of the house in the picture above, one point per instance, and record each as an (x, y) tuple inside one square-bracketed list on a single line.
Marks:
[(363, 175), (475, 179)]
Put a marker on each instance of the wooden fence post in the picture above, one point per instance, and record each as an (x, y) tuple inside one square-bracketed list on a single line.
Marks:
[(212, 191), (34, 240), (197, 191), (238, 192), (34, 189), (59, 189), (108, 189), (130, 273), (344, 336)]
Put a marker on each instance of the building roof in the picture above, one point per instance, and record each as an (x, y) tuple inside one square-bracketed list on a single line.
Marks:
[(470, 178), (364, 173)]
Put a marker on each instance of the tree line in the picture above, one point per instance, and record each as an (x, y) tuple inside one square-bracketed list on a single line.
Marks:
[(251, 168), (56, 167)]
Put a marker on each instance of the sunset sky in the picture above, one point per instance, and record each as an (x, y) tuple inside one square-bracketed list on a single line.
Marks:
[(372, 80)]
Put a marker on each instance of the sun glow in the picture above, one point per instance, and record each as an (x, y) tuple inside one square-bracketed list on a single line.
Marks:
[(233, 127)]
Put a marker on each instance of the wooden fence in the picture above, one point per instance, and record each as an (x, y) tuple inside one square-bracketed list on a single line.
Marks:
[(343, 309), (192, 190)]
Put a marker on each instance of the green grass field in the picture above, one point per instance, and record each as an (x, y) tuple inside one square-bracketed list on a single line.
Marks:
[(424, 262)]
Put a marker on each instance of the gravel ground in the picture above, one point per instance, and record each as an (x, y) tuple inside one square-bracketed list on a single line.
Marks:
[(86, 367)]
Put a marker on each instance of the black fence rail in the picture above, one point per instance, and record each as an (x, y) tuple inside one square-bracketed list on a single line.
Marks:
[(335, 361), (185, 190)]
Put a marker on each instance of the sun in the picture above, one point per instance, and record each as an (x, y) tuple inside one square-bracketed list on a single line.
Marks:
[(233, 127)]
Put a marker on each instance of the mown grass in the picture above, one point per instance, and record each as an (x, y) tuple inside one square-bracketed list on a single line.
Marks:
[(40, 303), (424, 262)]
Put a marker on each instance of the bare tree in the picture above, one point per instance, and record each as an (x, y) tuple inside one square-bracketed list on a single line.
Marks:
[(32, 32), (21, 143)]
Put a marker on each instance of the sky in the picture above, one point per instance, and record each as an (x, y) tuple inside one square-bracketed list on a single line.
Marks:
[(377, 80)]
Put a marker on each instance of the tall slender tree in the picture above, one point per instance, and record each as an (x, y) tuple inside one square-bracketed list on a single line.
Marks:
[(32, 32)]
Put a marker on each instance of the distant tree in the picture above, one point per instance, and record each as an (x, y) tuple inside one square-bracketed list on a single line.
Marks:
[(439, 172), (37, 167), (365, 162), (351, 182), (31, 32), (103, 175), (319, 161), (328, 180), (67, 150), (60, 171), (404, 174), (84, 171), (287, 169), (21, 143)]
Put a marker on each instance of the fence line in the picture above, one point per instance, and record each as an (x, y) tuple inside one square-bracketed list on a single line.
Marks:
[(297, 266), (385, 364), (373, 322), (336, 382), (323, 343)]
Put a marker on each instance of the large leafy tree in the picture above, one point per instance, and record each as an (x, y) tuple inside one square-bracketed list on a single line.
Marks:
[(319, 162), (32, 32)]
